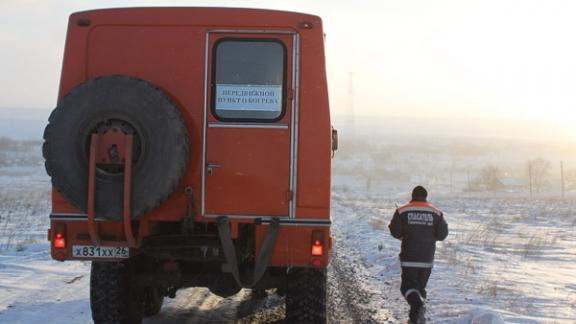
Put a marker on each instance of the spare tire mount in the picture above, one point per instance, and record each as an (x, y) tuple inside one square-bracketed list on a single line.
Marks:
[(112, 148), (120, 105)]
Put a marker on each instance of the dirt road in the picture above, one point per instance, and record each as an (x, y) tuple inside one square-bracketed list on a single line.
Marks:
[(37, 289), (198, 305)]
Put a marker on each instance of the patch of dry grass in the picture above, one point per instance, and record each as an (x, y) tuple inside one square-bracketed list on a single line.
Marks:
[(23, 217)]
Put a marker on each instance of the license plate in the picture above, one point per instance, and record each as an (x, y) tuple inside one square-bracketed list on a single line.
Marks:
[(90, 251)]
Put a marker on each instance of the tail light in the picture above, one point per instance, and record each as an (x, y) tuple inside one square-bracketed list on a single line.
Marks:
[(317, 243), (59, 239), (317, 249)]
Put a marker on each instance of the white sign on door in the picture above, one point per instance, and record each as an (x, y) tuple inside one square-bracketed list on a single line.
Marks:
[(249, 97)]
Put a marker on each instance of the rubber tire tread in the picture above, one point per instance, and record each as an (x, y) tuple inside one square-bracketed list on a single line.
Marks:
[(156, 118), (306, 296), (152, 302), (112, 299)]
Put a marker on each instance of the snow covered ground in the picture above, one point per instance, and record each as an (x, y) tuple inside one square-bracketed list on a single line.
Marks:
[(509, 259), (504, 259), (33, 287)]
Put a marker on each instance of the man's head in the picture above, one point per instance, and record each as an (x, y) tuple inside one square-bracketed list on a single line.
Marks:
[(419, 193)]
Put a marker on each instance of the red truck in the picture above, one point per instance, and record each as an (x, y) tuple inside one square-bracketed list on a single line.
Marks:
[(191, 147)]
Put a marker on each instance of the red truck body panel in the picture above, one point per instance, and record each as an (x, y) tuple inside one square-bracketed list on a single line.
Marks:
[(281, 169)]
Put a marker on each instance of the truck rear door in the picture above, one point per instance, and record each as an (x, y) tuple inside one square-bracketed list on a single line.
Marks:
[(248, 129)]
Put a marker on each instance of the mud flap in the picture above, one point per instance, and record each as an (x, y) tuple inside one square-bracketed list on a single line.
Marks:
[(263, 258)]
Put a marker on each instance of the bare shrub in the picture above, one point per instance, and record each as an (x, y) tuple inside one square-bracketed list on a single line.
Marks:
[(3, 159), (19, 153), (23, 217), (487, 179), (469, 266), (536, 244), (486, 235), (450, 253), (489, 289), (538, 170), (456, 259), (21, 246), (377, 223)]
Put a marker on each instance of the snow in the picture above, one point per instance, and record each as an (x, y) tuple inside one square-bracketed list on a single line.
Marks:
[(507, 258), (481, 316), (504, 260), (34, 288)]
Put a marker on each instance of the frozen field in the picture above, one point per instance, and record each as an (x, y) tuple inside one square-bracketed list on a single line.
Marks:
[(509, 259)]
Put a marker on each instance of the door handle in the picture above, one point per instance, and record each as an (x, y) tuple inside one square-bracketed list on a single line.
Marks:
[(211, 166)]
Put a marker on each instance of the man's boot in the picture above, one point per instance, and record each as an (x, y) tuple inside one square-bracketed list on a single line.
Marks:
[(414, 314), (422, 315), (417, 310)]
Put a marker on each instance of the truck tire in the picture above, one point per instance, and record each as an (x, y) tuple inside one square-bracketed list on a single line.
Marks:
[(112, 297), (160, 152), (153, 300), (306, 296)]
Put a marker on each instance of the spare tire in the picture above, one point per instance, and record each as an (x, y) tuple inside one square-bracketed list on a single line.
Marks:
[(136, 107)]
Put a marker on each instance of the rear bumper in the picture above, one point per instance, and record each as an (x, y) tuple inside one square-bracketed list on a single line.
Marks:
[(292, 248)]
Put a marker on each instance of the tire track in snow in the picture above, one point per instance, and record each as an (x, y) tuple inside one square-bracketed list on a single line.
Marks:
[(345, 295), (368, 300), (198, 305)]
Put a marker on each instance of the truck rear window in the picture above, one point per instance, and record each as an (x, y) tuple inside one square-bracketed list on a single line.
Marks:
[(248, 79)]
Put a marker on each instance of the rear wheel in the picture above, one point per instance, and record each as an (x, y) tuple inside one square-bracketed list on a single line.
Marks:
[(306, 296), (113, 298), (153, 300)]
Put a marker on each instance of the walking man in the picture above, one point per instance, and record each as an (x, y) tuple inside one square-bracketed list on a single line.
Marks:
[(418, 225)]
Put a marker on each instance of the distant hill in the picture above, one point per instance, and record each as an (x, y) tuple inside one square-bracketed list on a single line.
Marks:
[(23, 124)]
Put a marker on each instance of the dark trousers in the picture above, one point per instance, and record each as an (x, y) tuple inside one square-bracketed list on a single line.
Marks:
[(413, 287)]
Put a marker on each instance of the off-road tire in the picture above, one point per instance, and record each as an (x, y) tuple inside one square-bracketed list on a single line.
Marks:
[(153, 300), (160, 152), (112, 297), (306, 296)]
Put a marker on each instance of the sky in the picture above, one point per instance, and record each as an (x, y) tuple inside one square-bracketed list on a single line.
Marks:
[(468, 60)]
